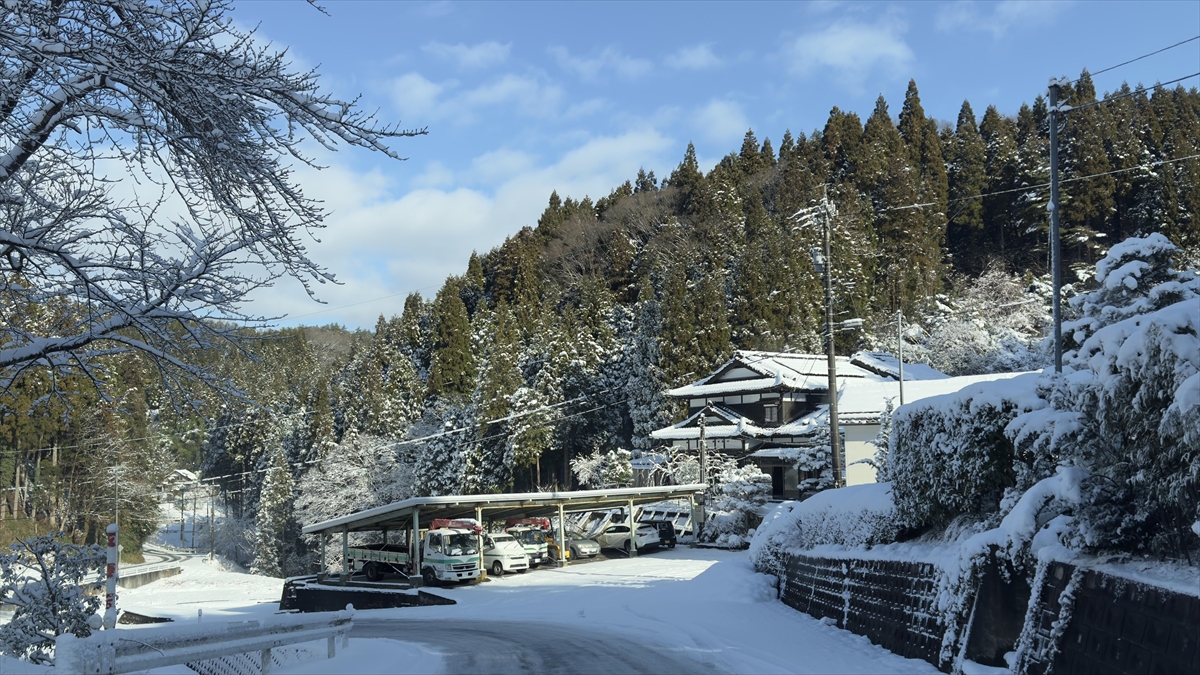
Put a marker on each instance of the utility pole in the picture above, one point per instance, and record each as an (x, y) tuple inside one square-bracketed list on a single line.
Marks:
[(194, 498), (703, 449), (1053, 207), (834, 433), (212, 512)]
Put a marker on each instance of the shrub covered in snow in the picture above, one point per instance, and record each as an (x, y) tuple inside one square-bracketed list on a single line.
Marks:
[(604, 469), (949, 455), (855, 516), (41, 577), (735, 505)]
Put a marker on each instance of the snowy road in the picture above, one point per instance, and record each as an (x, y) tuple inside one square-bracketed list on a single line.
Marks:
[(508, 647)]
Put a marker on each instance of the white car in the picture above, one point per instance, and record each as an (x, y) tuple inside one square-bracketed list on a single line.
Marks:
[(503, 553), (617, 536)]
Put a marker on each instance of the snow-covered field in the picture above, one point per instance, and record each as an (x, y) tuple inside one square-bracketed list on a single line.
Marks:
[(708, 605)]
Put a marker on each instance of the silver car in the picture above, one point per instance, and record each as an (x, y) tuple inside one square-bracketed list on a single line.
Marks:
[(617, 536), (581, 547)]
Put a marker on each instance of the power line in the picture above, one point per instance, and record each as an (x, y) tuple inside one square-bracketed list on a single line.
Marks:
[(1143, 56), (1117, 97), (1027, 188)]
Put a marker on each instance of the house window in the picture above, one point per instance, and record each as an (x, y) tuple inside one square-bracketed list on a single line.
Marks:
[(770, 413)]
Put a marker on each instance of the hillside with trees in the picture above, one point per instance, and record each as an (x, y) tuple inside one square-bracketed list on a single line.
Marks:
[(557, 346)]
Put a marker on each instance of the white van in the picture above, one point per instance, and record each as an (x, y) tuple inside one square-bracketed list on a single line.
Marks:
[(503, 553)]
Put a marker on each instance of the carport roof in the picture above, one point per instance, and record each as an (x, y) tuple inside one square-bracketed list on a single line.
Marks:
[(399, 515)]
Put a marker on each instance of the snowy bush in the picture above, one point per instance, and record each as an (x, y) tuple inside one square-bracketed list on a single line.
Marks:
[(42, 577), (604, 469), (735, 505), (949, 454), (1127, 407)]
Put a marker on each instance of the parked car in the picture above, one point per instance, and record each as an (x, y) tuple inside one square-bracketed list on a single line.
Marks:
[(503, 553), (580, 546), (666, 531), (617, 536)]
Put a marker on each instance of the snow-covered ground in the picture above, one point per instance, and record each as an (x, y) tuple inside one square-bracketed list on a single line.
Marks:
[(708, 605)]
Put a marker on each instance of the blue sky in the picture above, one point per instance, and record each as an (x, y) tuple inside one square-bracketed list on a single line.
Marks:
[(523, 98)]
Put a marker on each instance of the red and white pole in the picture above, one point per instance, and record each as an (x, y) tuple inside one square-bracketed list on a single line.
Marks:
[(110, 595)]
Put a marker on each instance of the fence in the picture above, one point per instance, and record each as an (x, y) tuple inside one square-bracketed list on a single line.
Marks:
[(124, 651)]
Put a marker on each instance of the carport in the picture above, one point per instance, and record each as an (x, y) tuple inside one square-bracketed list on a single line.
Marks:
[(414, 515)]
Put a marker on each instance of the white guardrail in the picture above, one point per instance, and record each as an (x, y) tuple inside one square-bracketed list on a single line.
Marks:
[(123, 651)]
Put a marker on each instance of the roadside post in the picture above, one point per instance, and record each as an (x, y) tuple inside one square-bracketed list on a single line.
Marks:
[(562, 540), (479, 541), (110, 583), (632, 532)]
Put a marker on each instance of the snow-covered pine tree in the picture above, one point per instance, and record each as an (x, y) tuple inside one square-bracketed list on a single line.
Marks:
[(277, 532)]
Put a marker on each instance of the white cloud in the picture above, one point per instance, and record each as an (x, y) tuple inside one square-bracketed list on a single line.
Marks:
[(700, 57), (1003, 15), (501, 165), (382, 241), (482, 55), (421, 100), (610, 59), (721, 121), (436, 175), (414, 96), (851, 50)]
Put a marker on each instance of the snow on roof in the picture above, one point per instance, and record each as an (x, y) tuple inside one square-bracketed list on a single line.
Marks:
[(782, 370), (862, 401), (887, 364), (180, 474)]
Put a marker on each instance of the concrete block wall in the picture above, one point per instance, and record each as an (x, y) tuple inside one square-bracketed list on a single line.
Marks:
[(1116, 626), (891, 603)]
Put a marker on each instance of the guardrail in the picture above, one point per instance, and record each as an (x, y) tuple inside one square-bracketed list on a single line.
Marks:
[(124, 651)]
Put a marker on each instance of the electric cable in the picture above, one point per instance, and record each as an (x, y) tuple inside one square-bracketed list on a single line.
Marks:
[(1143, 56)]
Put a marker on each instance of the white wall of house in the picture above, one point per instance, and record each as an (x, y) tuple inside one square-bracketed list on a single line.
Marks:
[(858, 439)]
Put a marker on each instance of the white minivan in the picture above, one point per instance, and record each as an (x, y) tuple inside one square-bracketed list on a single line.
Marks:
[(503, 553)]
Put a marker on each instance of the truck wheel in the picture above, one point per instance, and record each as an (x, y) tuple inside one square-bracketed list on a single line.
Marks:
[(497, 569), (429, 577), (373, 572)]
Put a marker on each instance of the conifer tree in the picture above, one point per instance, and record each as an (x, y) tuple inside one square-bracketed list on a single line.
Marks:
[(1087, 204), (277, 531), (452, 367), (1000, 171), (966, 163)]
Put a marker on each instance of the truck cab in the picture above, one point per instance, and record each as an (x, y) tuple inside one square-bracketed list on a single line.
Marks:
[(533, 539), (450, 552)]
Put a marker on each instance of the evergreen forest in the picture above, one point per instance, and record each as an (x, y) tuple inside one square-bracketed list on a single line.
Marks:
[(559, 344)]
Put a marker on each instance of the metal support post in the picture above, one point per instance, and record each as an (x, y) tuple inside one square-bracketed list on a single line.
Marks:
[(692, 515), (212, 514), (345, 556), (321, 571), (479, 538), (266, 661), (562, 539), (1055, 245), (414, 543), (632, 532)]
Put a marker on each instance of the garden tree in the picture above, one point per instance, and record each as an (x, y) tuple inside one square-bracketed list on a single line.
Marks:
[(169, 88), (43, 578), (452, 366), (277, 531), (966, 169), (1087, 204)]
